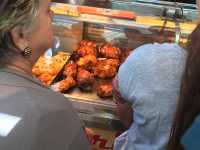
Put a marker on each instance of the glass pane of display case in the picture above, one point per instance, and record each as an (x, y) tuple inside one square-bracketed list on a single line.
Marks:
[(156, 8), (143, 7), (80, 31), (74, 33), (110, 38)]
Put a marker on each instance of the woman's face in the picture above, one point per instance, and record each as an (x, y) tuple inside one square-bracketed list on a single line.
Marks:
[(41, 38), (124, 112), (123, 109)]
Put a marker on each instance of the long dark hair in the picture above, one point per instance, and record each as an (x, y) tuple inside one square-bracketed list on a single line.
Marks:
[(189, 103)]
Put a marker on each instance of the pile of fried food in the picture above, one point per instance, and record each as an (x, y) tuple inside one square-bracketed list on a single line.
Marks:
[(91, 67), (47, 68)]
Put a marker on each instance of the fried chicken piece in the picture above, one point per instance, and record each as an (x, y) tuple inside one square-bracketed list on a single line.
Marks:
[(86, 48), (64, 85), (112, 62), (104, 89), (74, 56), (83, 43), (109, 51), (106, 68), (87, 62), (82, 51), (85, 79), (88, 43), (70, 70)]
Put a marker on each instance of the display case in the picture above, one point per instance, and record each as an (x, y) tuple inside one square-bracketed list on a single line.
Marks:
[(126, 26)]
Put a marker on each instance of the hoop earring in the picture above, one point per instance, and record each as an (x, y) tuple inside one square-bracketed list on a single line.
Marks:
[(27, 52)]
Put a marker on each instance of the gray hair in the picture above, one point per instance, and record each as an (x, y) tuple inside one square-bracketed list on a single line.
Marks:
[(15, 14)]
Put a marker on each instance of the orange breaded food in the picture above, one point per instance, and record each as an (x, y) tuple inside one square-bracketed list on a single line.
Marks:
[(45, 78), (46, 68)]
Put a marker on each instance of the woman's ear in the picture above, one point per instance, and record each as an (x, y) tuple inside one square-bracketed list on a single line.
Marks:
[(19, 38)]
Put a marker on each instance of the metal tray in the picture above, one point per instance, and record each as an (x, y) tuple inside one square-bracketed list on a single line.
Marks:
[(90, 97)]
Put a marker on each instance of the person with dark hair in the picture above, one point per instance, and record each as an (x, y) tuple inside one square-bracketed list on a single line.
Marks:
[(32, 117), (187, 118)]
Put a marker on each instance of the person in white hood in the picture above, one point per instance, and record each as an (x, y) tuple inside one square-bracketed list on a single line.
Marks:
[(146, 91)]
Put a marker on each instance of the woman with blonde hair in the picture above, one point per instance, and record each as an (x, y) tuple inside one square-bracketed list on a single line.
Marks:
[(32, 117)]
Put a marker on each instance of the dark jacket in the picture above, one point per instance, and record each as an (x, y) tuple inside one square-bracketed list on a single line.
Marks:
[(33, 117), (190, 140)]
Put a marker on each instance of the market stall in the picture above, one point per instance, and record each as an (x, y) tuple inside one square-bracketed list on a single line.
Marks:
[(94, 43)]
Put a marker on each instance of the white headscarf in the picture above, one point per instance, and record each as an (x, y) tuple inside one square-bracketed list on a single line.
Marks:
[(150, 80)]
